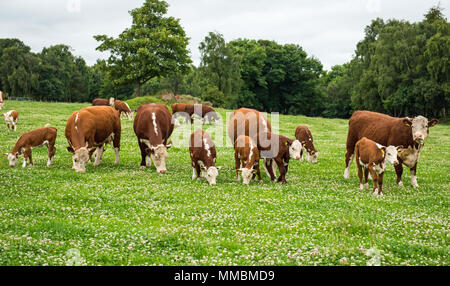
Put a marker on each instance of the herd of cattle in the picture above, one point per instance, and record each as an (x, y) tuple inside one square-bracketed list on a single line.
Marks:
[(374, 139)]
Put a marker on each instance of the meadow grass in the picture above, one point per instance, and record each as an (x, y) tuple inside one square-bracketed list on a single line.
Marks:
[(121, 215)]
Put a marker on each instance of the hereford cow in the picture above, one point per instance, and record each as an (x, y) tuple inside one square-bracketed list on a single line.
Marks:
[(11, 118), (282, 149), (387, 130), (252, 123), (153, 127), (373, 157), (2, 99), (203, 112), (179, 109), (103, 102), (123, 108), (90, 129), (203, 156), (304, 136), (246, 156), (28, 141)]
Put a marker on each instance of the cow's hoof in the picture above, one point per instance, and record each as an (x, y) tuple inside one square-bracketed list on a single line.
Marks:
[(142, 167), (415, 186), (400, 184)]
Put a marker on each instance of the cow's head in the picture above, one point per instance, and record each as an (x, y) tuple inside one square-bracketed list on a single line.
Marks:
[(247, 175), (311, 152), (390, 153), (129, 115), (211, 174), (294, 149), (420, 127), (159, 155), (12, 158), (79, 158)]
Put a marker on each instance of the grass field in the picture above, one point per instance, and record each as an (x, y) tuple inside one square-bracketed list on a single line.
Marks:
[(121, 215)]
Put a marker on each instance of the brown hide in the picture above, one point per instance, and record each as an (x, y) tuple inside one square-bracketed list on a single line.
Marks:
[(121, 106), (249, 122), (197, 149), (100, 102), (35, 138), (94, 125), (280, 158), (143, 123)]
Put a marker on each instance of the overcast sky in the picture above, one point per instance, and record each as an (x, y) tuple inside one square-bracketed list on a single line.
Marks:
[(328, 30)]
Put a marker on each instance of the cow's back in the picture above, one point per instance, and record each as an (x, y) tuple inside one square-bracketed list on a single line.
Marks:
[(100, 102), (144, 119), (244, 120)]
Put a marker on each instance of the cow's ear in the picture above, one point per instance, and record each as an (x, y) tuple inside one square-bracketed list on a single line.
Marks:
[(239, 170), (433, 122), (169, 145), (218, 168), (254, 171), (399, 148), (383, 149), (5, 154), (92, 149), (407, 122), (70, 149), (149, 150), (203, 168)]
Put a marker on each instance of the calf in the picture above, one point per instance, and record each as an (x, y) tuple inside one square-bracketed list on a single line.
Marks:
[(246, 156), (203, 156), (373, 156), (90, 129), (2, 99), (11, 118), (279, 152), (28, 141), (123, 108), (304, 136), (153, 127)]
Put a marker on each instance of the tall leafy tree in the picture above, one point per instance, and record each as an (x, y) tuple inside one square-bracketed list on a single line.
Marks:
[(154, 46)]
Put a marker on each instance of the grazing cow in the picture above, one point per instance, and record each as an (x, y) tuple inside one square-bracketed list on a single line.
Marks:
[(387, 130), (179, 109), (373, 157), (28, 141), (90, 129), (304, 136), (2, 99), (153, 127), (203, 156), (252, 123), (103, 102), (123, 108), (203, 112), (246, 156), (11, 118), (279, 154)]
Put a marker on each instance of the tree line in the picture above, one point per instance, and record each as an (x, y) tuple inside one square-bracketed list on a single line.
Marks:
[(399, 68)]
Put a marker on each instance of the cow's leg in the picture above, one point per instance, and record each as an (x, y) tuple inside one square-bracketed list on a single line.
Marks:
[(269, 167), (99, 154), (282, 169), (144, 155), (116, 144), (375, 180), (348, 162), (413, 176), (237, 164), (399, 172), (7, 125), (380, 184), (366, 175), (360, 175), (258, 172), (27, 155), (301, 154), (15, 126), (51, 153)]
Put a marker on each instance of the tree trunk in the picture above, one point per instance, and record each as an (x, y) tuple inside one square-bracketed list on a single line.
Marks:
[(138, 89)]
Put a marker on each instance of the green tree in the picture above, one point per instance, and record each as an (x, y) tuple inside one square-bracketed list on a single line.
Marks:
[(154, 46)]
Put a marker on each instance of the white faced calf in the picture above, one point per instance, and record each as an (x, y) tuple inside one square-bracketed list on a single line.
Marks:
[(246, 155), (11, 118), (203, 157)]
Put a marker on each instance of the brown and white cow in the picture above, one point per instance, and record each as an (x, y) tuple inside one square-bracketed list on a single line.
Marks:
[(123, 108), (11, 118), (153, 127), (281, 150), (33, 139), (387, 130), (246, 156), (304, 136), (202, 112), (90, 129), (2, 99), (373, 158), (203, 156), (103, 102)]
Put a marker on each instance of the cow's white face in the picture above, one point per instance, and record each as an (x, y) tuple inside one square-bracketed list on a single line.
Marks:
[(80, 158), (311, 156), (247, 175), (12, 158), (419, 126), (211, 174), (391, 155), (294, 150), (159, 155)]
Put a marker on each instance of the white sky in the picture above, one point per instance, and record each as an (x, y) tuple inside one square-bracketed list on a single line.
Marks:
[(326, 29)]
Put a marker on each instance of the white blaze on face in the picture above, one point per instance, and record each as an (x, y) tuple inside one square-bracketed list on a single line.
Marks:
[(391, 155), (419, 129), (154, 123), (12, 159), (211, 175), (247, 175), (207, 147), (159, 157), (250, 156), (79, 158), (294, 150)]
